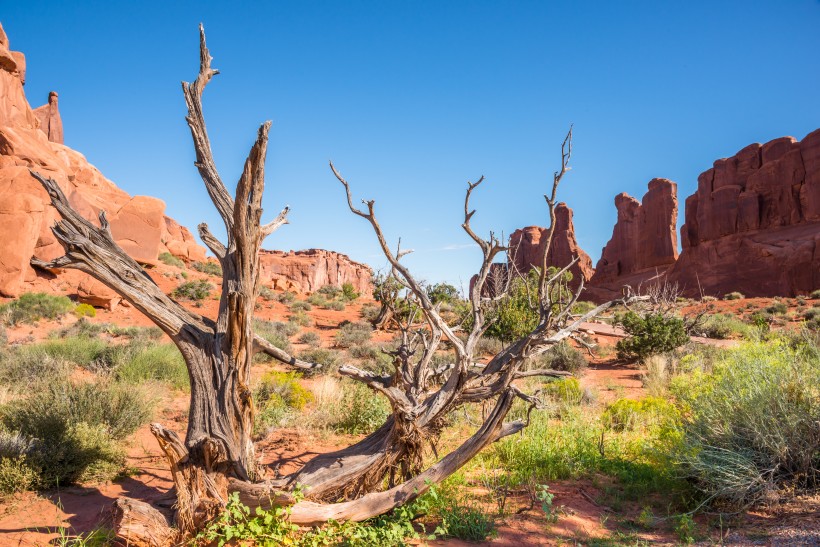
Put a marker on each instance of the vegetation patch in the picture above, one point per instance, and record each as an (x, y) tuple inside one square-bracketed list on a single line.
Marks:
[(31, 307)]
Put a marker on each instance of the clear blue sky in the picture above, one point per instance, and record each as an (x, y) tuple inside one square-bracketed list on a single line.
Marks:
[(412, 99)]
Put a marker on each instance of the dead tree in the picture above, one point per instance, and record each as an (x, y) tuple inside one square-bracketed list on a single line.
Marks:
[(217, 456)]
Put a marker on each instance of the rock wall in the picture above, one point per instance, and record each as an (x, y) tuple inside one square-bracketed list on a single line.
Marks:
[(527, 247), (32, 140), (753, 225), (644, 241), (308, 271)]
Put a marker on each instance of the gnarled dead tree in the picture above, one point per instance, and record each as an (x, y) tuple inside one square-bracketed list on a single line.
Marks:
[(217, 456)]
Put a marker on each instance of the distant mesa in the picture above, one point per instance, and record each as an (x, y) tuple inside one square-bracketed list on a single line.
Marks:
[(310, 270)]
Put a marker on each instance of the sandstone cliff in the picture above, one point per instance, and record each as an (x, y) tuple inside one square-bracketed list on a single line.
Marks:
[(32, 140), (644, 241), (308, 271), (754, 223)]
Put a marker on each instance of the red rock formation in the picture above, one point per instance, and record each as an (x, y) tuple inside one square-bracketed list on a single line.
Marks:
[(527, 247), (49, 117), (753, 225), (308, 271), (26, 216), (644, 240)]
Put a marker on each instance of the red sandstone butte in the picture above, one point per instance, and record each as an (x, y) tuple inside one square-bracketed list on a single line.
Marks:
[(753, 225), (527, 247), (644, 241), (310, 270)]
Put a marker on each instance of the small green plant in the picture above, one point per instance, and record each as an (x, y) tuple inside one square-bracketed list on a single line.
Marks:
[(301, 306), (286, 297), (566, 391), (561, 356), (16, 475), (734, 296), (349, 292), (209, 268), (31, 307), (278, 394), (193, 290), (815, 295), (361, 410), (160, 363), (85, 310), (171, 260), (543, 495), (685, 528), (777, 308), (649, 334), (330, 291), (266, 294)]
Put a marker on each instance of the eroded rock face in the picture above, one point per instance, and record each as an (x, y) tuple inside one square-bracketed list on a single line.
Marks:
[(753, 225), (26, 216), (527, 246), (49, 117), (644, 241), (308, 271)]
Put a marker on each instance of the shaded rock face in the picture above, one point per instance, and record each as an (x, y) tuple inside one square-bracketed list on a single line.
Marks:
[(308, 271), (527, 246), (753, 225), (644, 240), (30, 140)]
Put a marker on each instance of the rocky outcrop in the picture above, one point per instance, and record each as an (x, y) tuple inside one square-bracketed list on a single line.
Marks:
[(527, 247), (753, 225), (49, 117), (26, 216), (308, 271), (644, 241)]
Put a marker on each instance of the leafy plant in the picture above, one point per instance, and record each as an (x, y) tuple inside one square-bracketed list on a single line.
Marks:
[(209, 268), (85, 310), (649, 334), (193, 290), (349, 292), (361, 410)]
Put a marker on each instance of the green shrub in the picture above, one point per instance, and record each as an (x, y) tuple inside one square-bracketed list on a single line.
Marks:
[(85, 310), (629, 414), (75, 427), (275, 332), (193, 290), (580, 308), (369, 311), (316, 299), (442, 292), (171, 260), (328, 358), (160, 363), (723, 326), (300, 319), (353, 334), (329, 292), (16, 475), (360, 410), (300, 306), (565, 390), (210, 268), (561, 356), (266, 294), (286, 297), (467, 521), (752, 425), (812, 313), (335, 305), (649, 334), (349, 292), (734, 296), (32, 307), (25, 367), (310, 338), (777, 308), (815, 295), (81, 351), (278, 393)]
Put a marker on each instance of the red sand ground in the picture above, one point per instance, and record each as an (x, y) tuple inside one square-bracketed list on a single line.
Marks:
[(36, 519)]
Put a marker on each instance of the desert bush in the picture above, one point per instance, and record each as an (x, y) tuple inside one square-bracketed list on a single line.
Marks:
[(316, 299), (708, 299), (75, 429), (752, 425), (286, 297), (209, 268), (193, 290), (85, 310), (488, 345), (266, 294), (16, 475), (364, 352), (349, 292), (278, 394), (80, 350), (649, 334), (723, 326), (171, 260), (628, 414), (300, 306), (329, 292), (300, 319), (136, 333), (369, 311), (353, 334), (328, 358), (777, 308), (815, 295), (565, 391), (360, 410), (812, 313), (561, 356), (310, 338), (443, 292), (160, 363), (734, 296), (275, 332), (336, 305), (32, 307)]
